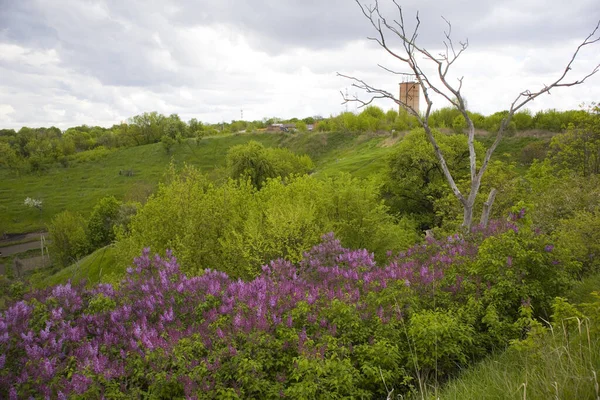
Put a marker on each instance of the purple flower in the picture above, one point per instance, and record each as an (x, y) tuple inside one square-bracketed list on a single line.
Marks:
[(549, 248)]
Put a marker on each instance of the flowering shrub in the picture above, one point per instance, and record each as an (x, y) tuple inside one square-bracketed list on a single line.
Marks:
[(33, 203), (331, 326)]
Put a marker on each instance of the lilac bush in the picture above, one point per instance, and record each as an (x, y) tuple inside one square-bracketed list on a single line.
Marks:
[(332, 325)]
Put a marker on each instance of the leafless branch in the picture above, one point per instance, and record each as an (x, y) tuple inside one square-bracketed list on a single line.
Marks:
[(411, 55), (394, 72), (527, 96)]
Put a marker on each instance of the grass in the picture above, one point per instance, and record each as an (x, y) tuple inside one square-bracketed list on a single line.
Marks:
[(78, 187), (510, 148), (94, 268), (558, 364), (366, 157), (557, 369)]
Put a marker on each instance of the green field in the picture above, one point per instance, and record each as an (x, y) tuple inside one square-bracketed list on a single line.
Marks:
[(78, 187)]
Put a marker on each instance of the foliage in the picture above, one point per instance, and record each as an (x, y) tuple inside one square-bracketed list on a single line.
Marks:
[(558, 194), (578, 149), (236, 229), (9, 157), (335, 324), (102, 221), (167, 142), (255, 162), (580, 237), (440, 341), (533, 151), (413, 180), (68, 238)]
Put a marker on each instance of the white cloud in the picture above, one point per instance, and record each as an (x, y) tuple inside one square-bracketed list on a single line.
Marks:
[(100, 62)]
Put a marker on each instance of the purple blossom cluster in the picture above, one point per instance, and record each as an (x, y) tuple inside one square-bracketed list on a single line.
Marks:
[(71, 340)]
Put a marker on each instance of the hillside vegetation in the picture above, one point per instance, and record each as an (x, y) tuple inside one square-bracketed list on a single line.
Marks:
[(322, 264)]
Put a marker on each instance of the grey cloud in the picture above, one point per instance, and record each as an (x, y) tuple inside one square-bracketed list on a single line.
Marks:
[(117, 47), (109, 55)]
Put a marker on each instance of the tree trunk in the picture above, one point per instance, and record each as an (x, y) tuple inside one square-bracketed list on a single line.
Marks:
[(467, 217), (487, 208)]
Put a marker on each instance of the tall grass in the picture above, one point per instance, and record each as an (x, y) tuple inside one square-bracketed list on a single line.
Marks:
[(561, 361)]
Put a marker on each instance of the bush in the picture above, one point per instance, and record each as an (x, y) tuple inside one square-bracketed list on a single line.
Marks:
[(441, 341), (101, 222), (523, 120), (533, 151), (334, 325), (68, 238), (255, 162), (235, 228), (579, 236)]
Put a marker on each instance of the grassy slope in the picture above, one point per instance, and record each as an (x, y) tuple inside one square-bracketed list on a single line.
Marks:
[(557, 366), (78, 187), (100, 266)]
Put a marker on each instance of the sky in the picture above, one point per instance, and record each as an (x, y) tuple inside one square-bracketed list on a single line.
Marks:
[(98, 62)]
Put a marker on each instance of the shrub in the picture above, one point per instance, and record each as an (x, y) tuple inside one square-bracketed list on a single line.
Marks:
[(68, 238), (579, 236), (333, 325), (236, 229), (255, 162), (102, 221), (533, 151)]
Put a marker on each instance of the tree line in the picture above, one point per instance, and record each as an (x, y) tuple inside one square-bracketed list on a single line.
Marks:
[(36, 149)]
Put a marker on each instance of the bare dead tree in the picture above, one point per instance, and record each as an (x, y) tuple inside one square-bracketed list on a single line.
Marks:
[(413, 56)]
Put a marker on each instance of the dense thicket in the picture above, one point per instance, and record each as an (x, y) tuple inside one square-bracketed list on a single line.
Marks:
[(332, 325), (236, 228)]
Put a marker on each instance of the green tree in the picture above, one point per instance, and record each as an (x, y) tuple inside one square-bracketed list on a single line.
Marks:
[(9, 158), (68, 238), (578, 149), (414, 180), (249, 161), (102, 220), (167, 143), (255, 162)]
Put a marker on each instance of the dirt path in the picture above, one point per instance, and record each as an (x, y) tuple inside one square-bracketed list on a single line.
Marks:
[(20, 237), (7, 250), (19, 248)]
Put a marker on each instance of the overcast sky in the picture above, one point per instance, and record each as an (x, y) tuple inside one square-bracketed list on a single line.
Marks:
[(72, 62)]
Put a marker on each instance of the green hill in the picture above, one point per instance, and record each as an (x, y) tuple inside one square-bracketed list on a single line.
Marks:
[(79, 186)]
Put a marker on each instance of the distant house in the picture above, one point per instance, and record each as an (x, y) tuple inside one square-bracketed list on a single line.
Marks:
[(281, 128), (275, 128), (289, 127)]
